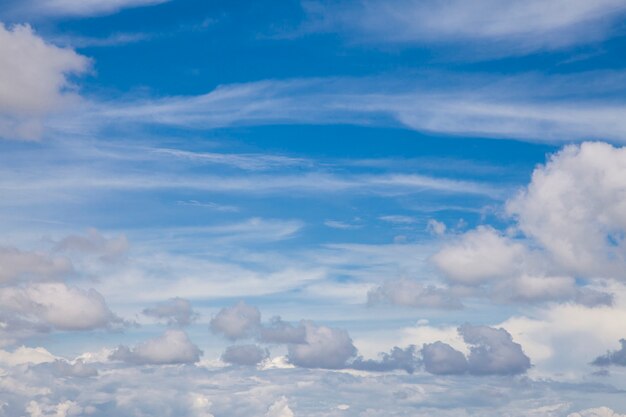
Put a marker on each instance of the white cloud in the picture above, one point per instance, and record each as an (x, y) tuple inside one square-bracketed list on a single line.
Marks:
[(237, 322), (16, 264), (177, 311), (80, 7), (173, 347), (58, 305), (504, 27), (34, 81), (575, 208), (597, 412), (324, 347), (479, 256), (280, 408), (528, 106)]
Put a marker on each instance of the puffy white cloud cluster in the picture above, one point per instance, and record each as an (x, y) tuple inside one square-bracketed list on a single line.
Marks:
[(38, 294), (34, 81), (569, 223)]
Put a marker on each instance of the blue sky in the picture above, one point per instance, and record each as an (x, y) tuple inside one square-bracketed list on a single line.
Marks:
[(312, 208)]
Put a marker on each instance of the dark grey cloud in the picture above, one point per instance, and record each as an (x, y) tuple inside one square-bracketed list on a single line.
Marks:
[(593, 298), (248, 355), (176, 311), (493, 351), (410, 293), (397, 359), (279, 331), (324, 347), (237, 322), (442, 359), (612, 357)]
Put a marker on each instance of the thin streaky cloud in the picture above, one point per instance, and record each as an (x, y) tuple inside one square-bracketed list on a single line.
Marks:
[(492, 27)]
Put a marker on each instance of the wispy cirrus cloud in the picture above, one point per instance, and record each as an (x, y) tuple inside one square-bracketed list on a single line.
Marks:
[(509, 27), (74, 8), (527, 106)]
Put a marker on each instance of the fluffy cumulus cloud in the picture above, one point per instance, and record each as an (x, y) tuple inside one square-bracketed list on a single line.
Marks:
[(442, 359), (173, 347), (324, 347), (176, 311), (17, 264), (237, 322), (404, 292), (492, 351), (575, 208), (568, 223), (57, 305), (34, 80), (244, 355)]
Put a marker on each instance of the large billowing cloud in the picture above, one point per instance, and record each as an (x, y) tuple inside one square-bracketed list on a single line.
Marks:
[(575, 208), (173, 347), (569, 223), (34, 81)]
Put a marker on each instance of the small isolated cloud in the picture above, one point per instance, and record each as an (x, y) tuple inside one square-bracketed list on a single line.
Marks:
[(435, 227), (248, 355), (613, 357), (408, 293), (176, 311), (280, 408), (173, 347), (237, 322), (398, 358), (324, 347), (492, 352), (34, 81)]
